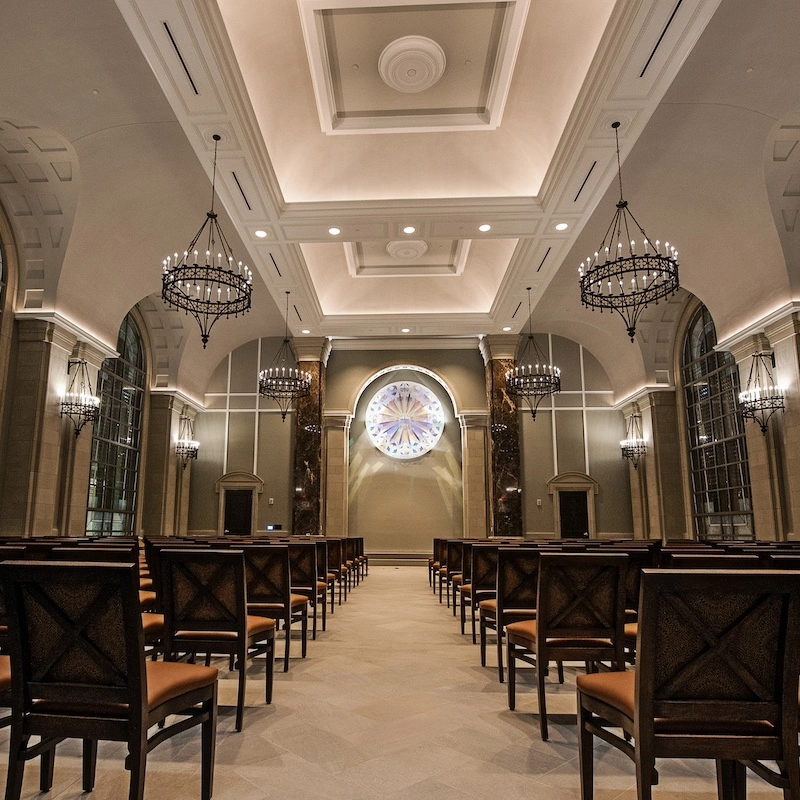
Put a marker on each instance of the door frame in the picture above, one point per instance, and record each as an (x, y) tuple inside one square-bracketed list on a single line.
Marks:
[(238, 480), (573, 482)]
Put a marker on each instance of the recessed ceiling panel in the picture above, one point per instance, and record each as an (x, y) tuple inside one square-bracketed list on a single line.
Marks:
[(368, 60)]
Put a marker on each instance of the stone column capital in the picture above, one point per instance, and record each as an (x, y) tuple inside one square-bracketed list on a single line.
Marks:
[(499, 346), (313, 348)]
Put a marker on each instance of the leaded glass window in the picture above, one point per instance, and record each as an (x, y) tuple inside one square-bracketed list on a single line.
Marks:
[(116, 443), (720, 477)]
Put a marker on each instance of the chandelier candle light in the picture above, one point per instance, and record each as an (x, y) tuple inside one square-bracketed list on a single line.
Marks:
[(284, 381), (762, 397), (534, 380), (628, 271), (634, 447), (79, 402), (186, 448), (211, 284)]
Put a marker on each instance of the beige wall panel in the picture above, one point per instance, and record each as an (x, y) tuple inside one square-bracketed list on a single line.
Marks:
[(399, 506), (537, 468), (241, 440), (569, 435), (594, 375), (605, 429), (275, 447), (244, 367), (219, 380), (461, 370), (209, 430), (567, 357)]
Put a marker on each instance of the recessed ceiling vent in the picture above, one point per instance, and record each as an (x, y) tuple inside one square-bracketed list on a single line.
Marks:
[(411, 64)]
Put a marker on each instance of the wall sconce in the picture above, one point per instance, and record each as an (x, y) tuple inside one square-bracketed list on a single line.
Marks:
[(762, 397), (186, 447), (634, 446), (79, 402)]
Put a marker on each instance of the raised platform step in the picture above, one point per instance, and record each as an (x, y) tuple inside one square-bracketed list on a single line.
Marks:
[(398, 559)]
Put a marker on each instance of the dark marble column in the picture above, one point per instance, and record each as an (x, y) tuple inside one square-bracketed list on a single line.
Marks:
[(306, 506), (499, 354)]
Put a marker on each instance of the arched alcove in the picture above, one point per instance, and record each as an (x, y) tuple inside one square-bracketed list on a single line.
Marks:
[(399, 504)]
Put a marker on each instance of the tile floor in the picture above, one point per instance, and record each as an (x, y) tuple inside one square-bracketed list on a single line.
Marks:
[(391, 703)]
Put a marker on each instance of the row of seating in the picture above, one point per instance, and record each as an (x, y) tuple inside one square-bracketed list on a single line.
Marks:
[(220, 597), (583, 604)]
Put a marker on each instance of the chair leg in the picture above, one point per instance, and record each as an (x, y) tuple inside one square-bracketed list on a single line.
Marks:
[(483, 641), (512, 678), (137, 761), (540, 675), (463, 613), (287, 630), (270, 667), (560, 670), (731, 780), (455, 589), (499, 629), (304, 629), (89, 764), (473, 606), (324, 615), (209, 742), (585, 752), (242, 658), (645, 764), (314, 622), (16, 764), (46, 768)]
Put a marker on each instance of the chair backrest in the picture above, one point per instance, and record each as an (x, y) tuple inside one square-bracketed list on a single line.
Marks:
[(75, 637), (455, 555), (335, 554), (267, 573), (721, 648), (118, 555), (712, 561), (203, 590), (440, 551), (351, 548), (303, 565), (638, 559), (322, 560), (466, 562), (517, 577), (581, 595), (484, 567)]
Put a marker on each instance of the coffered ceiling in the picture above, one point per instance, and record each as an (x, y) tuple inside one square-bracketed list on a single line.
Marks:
[(405, 127)]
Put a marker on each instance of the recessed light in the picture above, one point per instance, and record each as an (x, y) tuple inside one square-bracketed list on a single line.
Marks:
[(305, 330), (484, 228), (409, 229), (261, 234), (507, 328), (405, 330), (562, 226), (334, 231)]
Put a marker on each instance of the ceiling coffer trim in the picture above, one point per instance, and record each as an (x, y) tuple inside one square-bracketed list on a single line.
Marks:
[(484, 111)]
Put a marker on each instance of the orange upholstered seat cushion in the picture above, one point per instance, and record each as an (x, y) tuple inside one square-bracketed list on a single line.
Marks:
[(631, 630), (255, 626), (5, 673), (612, 688), (524, 633), (168, 679), (147, 600), (152, 624), (489, 606)]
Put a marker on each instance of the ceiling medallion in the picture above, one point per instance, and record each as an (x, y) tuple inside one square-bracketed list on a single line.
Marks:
[(407, 250), (411, 64), (619, 278), (404, 420)]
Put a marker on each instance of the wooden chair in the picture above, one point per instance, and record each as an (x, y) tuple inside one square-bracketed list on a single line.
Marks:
[(337, 566), (580, 615), (483, 583), (515, 601), (716, 677), (454, 566), (324, 575), (462, 588), (269, 591), (303, 576), (205, 611), (79, 671)]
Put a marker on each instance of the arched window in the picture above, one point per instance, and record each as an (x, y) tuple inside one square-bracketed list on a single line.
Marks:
[(116, 443), (720, 477)]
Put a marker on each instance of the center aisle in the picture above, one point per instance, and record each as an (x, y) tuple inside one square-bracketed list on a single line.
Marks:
[(391, 703)]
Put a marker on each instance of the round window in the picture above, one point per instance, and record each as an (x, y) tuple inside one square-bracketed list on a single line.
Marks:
[(405, 419)]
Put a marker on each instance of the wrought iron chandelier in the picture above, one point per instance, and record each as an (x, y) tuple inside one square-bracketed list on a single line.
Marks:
[(186, 448), (762, 397), (628, 271), (207, 285), (284, 381), (634, 445), (532, 379), (79, 402)]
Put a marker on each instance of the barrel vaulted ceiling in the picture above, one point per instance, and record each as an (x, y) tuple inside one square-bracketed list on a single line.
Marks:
[(372, 117)]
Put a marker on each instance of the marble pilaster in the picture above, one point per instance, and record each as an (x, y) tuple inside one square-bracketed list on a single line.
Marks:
[(499, 353), (307, 498)]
